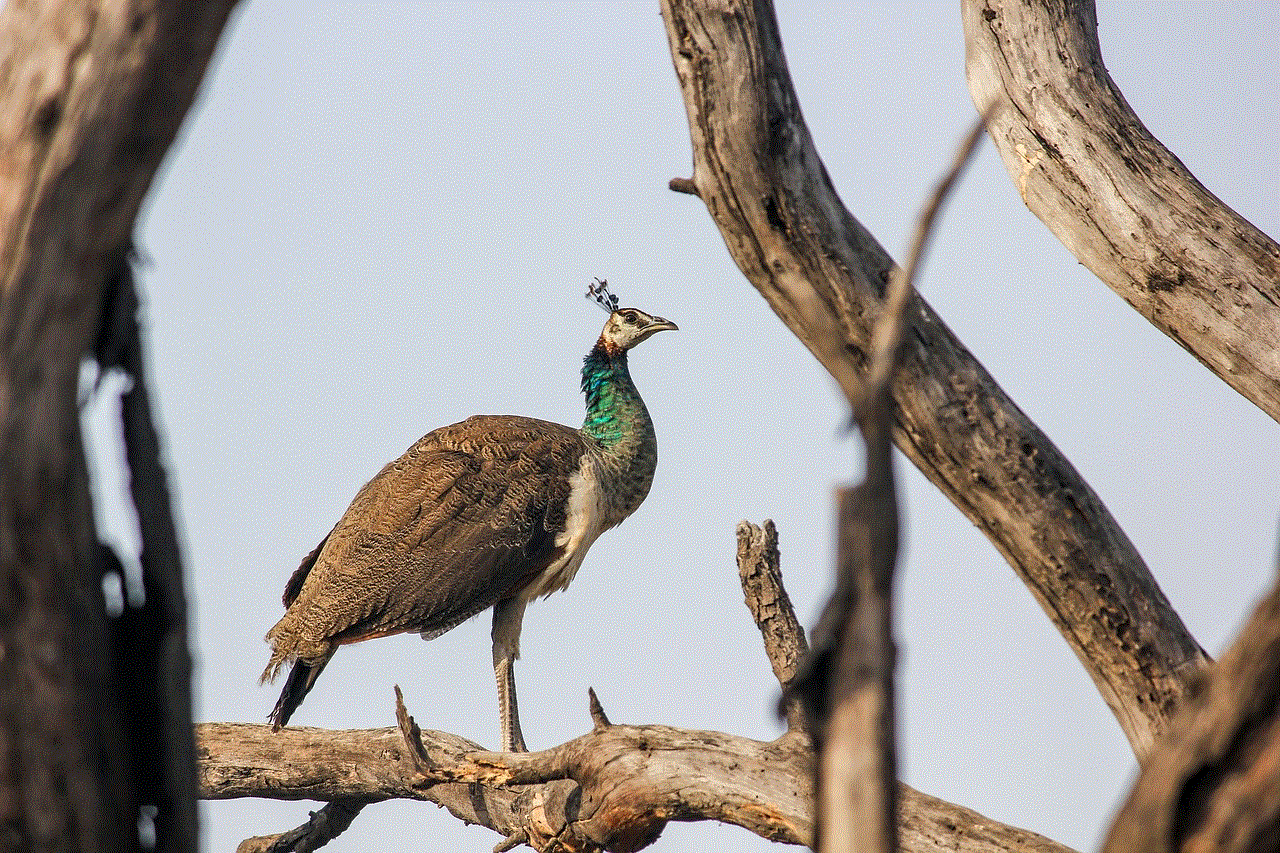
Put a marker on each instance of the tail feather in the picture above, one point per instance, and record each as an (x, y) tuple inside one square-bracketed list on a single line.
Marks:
[(302, 675)]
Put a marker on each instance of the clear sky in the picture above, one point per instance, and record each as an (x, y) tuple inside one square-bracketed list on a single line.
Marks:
[(382, 219)]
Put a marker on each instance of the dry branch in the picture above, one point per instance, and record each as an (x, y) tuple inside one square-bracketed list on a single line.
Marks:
[(847, 683), (760, 570), (608, 789), (613, 788), (1213, 786), (756, 169), (1118, 199), (321, 827)]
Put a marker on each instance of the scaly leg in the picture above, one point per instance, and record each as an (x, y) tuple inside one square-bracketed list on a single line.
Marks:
[(507, 616)]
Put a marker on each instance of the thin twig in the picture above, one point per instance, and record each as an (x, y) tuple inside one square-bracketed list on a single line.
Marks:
[(849, 690), (887, 337)]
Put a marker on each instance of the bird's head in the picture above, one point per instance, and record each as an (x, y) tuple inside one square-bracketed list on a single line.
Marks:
[(625, 327)]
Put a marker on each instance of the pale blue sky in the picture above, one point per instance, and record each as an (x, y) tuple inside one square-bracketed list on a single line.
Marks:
[(381, 219)]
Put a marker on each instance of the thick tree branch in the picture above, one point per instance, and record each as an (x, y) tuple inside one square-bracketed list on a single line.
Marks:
[(613, 788), (1214, 784), (756, 169), (1118, 199), (91, 96)]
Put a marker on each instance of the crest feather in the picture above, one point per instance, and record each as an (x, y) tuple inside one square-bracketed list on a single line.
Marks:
[(598, 291)]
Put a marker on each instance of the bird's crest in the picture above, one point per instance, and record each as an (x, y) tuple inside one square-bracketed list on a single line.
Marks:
[(599, 291)]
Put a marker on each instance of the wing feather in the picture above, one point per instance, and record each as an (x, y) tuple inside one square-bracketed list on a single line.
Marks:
[(465, 517)]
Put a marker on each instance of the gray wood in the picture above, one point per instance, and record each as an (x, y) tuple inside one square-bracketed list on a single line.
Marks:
[(615, 787), (757, 171), (630, 781), (1121, 202)]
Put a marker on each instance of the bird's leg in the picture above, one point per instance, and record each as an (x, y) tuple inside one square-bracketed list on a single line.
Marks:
[(507, 616)]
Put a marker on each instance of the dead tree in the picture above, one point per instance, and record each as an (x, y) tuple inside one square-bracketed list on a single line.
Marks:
[(757, 171), (95, 712), (83, 140), (1118, 199)]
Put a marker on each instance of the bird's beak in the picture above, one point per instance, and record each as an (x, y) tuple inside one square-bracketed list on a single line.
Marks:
[(661, 324)]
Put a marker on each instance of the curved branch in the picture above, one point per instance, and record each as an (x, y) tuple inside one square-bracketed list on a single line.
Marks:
[(756, 169), (1118, 199), (614, 788)]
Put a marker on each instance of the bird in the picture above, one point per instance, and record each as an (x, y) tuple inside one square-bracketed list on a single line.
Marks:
[(493, 511)]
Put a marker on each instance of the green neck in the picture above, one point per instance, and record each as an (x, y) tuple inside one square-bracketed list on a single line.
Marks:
[(615, 412)]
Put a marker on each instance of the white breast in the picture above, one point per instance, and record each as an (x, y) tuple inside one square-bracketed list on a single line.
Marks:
[(582, 527)]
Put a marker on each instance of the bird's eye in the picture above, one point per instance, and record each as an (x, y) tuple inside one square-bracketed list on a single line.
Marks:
[(630, 316)]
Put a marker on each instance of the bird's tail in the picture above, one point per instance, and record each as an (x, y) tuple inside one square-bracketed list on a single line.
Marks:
[(302, 675)]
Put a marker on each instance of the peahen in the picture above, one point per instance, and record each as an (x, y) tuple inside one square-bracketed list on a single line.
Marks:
[(490, 512)]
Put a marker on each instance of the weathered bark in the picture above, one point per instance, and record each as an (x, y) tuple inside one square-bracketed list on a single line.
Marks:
[(857, 752), (760, 570), (322, 826), (627, 782), (756, 169), (91, 96), (1213, 786), (1118, 199)]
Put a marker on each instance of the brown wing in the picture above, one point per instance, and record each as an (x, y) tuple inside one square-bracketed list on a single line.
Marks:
[(465, 517)]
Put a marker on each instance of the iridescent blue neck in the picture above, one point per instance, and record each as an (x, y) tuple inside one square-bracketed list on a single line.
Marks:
[(614, 407)]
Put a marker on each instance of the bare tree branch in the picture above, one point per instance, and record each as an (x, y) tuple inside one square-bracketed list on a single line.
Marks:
[(763, 182), (613, 788), (1118, 199), (321, 827), (760, 570), (1214, 783), (847, 681)]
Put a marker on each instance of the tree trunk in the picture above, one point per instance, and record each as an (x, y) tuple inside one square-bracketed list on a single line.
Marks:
[(1118, 199), (92, 97)]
